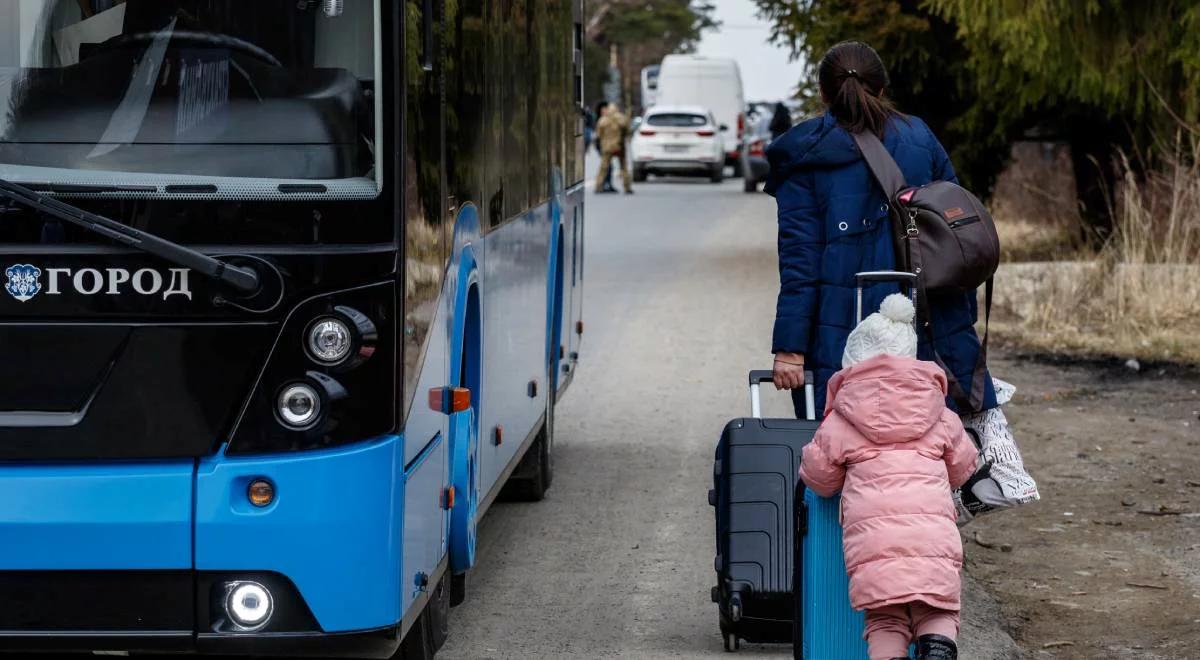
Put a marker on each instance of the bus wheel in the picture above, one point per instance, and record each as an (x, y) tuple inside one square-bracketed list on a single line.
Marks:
[(432, 628), (458, 589), (438, 612), (533, 475)]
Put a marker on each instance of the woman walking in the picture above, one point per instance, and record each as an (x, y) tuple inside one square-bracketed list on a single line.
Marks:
[(834, 222)]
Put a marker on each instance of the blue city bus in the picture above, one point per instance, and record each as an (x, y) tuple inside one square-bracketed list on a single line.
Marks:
[(291, 290)]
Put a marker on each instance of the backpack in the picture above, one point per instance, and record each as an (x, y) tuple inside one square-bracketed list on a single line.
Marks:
[(943, 233)]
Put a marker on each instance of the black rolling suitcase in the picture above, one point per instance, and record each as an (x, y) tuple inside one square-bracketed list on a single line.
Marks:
[(755, 494)]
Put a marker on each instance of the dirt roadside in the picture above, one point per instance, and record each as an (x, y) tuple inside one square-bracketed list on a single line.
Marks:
[(1107, 565)]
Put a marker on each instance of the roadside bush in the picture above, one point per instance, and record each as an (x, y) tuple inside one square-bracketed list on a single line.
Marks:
[(1140, 294)]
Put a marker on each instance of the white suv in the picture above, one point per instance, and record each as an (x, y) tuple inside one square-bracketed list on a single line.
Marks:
[(678, 140)]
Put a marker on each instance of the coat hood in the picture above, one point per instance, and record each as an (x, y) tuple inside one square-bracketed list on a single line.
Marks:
[(817, 143), (889, 399)]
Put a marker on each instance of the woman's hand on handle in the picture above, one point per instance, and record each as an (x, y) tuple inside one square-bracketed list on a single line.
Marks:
[(789, 371)]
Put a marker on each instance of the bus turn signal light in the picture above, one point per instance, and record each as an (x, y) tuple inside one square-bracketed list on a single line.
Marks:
[(449, 400), (261, 493)]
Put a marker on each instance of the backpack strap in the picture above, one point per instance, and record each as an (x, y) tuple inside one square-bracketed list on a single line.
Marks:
[(883, 167), (966, 402)]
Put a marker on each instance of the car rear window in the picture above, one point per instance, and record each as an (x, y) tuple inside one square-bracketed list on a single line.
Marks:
[(679, 119)]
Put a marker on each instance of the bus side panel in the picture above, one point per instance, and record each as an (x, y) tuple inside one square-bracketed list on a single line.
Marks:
[(421, 423), (332, 529), (424, 522), (514, 353), (573, 225)]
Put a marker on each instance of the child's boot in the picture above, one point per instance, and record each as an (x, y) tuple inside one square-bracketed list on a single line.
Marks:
[(936, 647)]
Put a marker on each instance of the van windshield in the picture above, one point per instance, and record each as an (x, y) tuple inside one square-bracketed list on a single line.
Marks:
[(225, 99)]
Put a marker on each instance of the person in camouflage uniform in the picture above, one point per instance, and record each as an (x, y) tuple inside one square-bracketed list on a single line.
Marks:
[(612, 132)]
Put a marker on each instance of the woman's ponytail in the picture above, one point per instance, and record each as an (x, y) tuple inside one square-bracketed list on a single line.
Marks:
[(853, 80)]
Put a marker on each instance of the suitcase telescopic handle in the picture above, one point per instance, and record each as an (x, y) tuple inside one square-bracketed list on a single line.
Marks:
[(759, 376), (872, 276), (886, 276)]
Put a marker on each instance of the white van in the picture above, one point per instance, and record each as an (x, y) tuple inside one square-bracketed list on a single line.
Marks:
[(709, 82), (649, 87)]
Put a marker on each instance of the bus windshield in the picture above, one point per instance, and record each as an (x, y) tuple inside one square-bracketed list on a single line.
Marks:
[(222, 99)]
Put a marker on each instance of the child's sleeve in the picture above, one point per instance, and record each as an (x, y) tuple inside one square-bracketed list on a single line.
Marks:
[(822, 467), (961, 454)]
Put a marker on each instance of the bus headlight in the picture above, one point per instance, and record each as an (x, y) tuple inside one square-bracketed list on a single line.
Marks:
[(329, 341), (299, 406), (328, 347), (248, 604)]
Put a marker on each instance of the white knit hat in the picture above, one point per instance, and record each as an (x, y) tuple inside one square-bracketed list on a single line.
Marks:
[(888, 331)]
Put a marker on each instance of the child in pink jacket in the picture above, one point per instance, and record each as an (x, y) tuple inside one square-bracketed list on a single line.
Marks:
[(891, 447)]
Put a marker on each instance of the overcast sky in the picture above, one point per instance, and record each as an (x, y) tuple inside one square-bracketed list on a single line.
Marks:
[(767, 75)]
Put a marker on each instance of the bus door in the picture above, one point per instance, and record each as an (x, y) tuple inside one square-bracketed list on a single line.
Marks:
[(427, 237)]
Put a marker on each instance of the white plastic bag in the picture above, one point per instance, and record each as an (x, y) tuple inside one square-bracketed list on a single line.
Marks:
[(1000, 481)]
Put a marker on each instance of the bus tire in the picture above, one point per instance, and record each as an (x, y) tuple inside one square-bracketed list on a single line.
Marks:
[(548, 434), (432, 628), (418, 643), (438, 612), (531, 480), (458, 589)]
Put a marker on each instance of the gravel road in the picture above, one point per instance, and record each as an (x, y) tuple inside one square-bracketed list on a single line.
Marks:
[(617, 562)]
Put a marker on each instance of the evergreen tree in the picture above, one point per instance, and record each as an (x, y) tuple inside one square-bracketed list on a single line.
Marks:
[(1098, 75)]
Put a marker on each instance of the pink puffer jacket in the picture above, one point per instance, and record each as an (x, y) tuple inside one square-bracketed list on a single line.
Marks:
[(894, 450)]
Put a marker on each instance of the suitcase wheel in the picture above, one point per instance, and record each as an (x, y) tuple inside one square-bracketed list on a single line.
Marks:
[(735, 607), (712, 497), (716, 594), (731, 642)]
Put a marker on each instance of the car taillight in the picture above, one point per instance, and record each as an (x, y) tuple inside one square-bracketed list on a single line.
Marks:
[(646, 132), (705, 133), (741, 124)]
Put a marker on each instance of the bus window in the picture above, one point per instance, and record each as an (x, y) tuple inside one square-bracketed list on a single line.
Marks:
[(425, 226), (513, 28), (465, 98), (234, 99)]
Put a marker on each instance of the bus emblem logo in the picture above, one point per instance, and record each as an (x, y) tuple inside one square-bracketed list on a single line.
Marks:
[(23, 281)]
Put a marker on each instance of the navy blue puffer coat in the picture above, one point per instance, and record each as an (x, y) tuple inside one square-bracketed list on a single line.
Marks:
[(833, 223)]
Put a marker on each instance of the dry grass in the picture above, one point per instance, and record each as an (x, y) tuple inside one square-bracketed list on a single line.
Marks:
[(1034, 206), (1140, 295)]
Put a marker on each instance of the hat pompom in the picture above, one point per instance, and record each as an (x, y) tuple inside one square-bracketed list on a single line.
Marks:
[(897, 307)]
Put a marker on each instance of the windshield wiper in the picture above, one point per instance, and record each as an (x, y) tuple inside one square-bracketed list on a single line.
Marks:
[(242, 279)]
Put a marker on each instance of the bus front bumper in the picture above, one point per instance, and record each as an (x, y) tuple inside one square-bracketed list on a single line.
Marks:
[(142, 556), (160, 612)]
